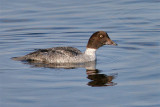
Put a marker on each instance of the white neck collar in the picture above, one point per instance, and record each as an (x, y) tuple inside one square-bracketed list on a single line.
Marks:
[(90, 51)]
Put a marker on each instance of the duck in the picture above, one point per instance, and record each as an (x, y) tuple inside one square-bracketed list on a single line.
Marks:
[(70, 54)]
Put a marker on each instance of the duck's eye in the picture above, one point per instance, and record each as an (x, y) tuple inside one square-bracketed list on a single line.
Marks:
[(101, 36)]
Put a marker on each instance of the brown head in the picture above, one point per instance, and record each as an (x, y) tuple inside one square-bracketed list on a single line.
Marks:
[(99, 39)]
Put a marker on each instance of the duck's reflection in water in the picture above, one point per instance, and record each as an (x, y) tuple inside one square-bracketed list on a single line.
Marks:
[(99, 80), (93, 74)]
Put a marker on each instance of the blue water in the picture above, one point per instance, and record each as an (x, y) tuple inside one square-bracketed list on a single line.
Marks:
[(128, 75)]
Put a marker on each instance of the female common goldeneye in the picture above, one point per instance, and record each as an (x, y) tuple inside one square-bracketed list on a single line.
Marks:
[(69, 54)]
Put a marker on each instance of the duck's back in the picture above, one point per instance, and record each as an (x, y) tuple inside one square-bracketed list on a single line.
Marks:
[(52, 55), (66, 51)]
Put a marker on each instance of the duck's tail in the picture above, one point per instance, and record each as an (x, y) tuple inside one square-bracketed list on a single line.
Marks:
[(21, 58)]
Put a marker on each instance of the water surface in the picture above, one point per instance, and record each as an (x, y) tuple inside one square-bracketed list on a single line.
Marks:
[(126, 75)]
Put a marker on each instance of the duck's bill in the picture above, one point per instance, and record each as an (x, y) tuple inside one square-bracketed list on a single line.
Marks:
[(110, 42)]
